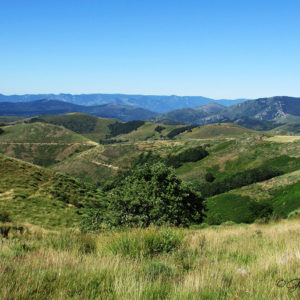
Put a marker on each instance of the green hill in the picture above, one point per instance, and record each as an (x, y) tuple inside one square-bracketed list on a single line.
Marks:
[(41, 143), (216, 130), (38, 196), (92, 127)]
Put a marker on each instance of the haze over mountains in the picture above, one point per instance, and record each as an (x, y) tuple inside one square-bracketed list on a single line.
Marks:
[(260, 114), (158, 104)]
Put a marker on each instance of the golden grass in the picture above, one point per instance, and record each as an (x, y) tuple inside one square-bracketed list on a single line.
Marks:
[(205, 266), (283, 139)]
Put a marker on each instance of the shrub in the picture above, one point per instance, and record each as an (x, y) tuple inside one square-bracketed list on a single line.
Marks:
[(158, 269), (229, 207), (238, 180), (159, 129), (4, 217), (179, 130), (294, 214), (145, 243), (209, 177), (200, 226), (1, 130), (123, 128), (150, 194), (188, 155)]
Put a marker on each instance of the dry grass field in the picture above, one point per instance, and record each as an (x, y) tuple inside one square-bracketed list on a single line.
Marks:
[(220, 262)]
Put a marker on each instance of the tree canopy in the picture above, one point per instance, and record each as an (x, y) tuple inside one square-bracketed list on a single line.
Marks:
[(150, 194)]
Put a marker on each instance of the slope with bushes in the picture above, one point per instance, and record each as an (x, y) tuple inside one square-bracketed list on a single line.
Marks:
[(39, 196)]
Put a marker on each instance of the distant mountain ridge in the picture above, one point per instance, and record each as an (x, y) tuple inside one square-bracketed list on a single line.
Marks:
[(155, 103), (263, 113), (56, 107)]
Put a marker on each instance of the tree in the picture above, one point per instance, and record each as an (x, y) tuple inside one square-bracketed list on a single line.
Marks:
[(150, 194)]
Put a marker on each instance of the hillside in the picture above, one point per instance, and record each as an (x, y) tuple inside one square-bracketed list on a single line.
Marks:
[(92, 127), (56, 107), (192, 115), (41, 143), (34, 195), (265, 109)]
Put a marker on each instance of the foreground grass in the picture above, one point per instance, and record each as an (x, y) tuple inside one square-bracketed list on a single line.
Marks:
[(151, 264)]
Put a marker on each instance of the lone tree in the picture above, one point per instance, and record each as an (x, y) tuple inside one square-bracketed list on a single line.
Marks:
[(150, 194)]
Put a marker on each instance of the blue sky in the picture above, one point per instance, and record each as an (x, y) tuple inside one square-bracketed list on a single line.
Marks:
[(212, 48)]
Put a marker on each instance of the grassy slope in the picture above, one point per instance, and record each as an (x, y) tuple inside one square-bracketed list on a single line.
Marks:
[(41, 143), (39, 196), (203, 264), (92, 127), (216, 130)]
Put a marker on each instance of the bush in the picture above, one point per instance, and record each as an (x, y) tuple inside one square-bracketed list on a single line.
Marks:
[(209, 177), (145, 243), (238, 180), (159, 129), (294, 214), (150, 194), (4, 217), (229, 207), (188, 155), (155, 270), (123, 128), (1, 130), (179, 130)]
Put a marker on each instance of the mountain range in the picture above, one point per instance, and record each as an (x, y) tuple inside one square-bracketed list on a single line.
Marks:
[(158, 104), (259, 114), (56, 107)]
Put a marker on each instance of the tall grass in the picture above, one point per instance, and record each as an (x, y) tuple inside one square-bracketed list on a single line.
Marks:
[(153, 263)]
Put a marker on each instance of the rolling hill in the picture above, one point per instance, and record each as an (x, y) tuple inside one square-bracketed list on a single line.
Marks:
[(40, 143), (39, 196), (92, 127), (56, 107)]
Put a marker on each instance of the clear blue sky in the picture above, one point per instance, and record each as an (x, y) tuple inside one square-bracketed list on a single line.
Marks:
[(213, 48)]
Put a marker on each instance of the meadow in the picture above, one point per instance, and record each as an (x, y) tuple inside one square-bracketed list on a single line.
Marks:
[(219, 262)]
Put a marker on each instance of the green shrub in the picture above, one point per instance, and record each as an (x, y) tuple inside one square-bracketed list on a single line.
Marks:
[(228, 223), (286, 200), (209, 177), (159, 128), (158, 269), (238, 180), (228, 207), (145, 244), (199, 226), (150, 194), (123, 128), (179, 130), (5, 217), (294, 214)]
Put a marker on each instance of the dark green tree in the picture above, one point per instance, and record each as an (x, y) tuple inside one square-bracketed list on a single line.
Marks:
[(150, 194)]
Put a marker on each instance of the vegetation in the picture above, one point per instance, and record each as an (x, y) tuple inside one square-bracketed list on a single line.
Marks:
[(223, 262), (1, 130), (235, 208), (159, 128), (179, 130), (39, 196), (238, 180), (149, 194), (123, 128), (188, 155)]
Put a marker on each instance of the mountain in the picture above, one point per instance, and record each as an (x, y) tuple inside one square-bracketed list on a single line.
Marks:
[(192, 115), (259, 114), (159, 104), (56, 107)]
